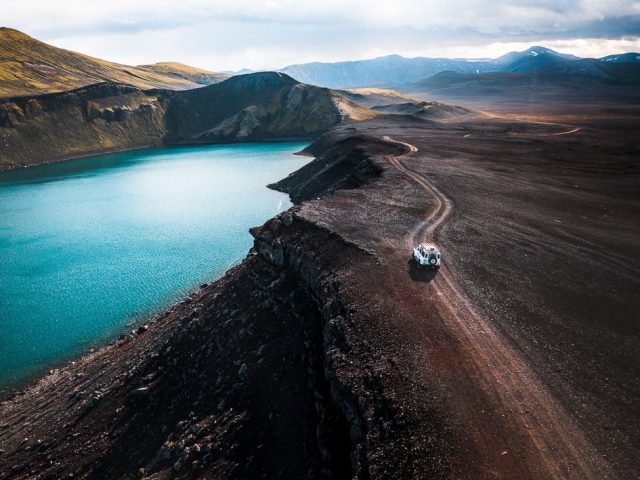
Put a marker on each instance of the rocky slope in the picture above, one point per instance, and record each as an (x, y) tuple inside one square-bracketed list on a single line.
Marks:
[(94, 119), (256, 106), (250, 377), (108, 117), (343, 164), (31, 67)]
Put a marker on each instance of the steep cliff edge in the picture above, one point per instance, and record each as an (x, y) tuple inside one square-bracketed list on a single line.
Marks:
[(96, 119), (275, 371), (342, 163), (108, 117)]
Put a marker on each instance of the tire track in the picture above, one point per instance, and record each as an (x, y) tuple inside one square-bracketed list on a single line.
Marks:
[(444, 207), (537, 122), (560, 447), (568, 132)]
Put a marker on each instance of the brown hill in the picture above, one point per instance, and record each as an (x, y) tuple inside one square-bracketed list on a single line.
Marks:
[(376, 97), (31, 67), (386, 101), (185, 72)]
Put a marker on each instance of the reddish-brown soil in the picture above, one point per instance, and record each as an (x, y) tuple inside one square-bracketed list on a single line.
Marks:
[(328, 354)]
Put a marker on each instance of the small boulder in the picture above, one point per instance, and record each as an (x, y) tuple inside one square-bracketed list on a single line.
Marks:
[(142, 328), (274, 224), (94, 399), (287, 219), (76, 395)]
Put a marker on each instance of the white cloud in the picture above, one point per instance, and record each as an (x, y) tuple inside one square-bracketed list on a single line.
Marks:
[(583, 47), (231, 34)]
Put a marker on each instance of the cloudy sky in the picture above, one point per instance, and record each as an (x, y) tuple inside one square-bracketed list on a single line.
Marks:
[(235, 34)]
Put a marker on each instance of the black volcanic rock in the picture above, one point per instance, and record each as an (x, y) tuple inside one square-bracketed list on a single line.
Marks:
[(345, 165), (251, 107), (357, 367)]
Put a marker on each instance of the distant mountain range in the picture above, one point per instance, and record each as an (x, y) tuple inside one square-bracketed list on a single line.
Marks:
[(29, 66), (395, 70), (539, 79)]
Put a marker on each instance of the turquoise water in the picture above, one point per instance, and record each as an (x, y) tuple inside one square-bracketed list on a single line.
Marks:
[(89, 246)]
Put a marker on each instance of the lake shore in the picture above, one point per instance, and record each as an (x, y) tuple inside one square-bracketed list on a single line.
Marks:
[(114, 238)]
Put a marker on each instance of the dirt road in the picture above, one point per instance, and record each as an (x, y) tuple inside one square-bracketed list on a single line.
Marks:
[(543, 438)]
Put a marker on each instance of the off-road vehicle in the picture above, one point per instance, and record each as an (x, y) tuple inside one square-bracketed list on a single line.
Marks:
[(427, 255)]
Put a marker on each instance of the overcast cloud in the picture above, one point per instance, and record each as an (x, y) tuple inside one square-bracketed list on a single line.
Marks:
[(234, 34)]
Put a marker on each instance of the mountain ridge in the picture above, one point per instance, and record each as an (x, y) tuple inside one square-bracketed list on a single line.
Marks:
[(29, 66), (394, 70)]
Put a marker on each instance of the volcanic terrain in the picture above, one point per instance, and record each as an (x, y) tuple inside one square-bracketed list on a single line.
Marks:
[(327, 354)]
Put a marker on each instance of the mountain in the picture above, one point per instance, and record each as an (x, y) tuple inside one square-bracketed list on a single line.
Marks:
[(631, 57), (392, 102), (185, 72), (108, 116), (257, 106), (533, 59), (383, 71), (588, 68), (532, 52), (396, 71), (584, 80), (548, 62), (29, 67), (376, 97)]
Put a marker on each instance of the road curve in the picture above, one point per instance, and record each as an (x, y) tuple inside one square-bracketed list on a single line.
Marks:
[(560, 448)]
